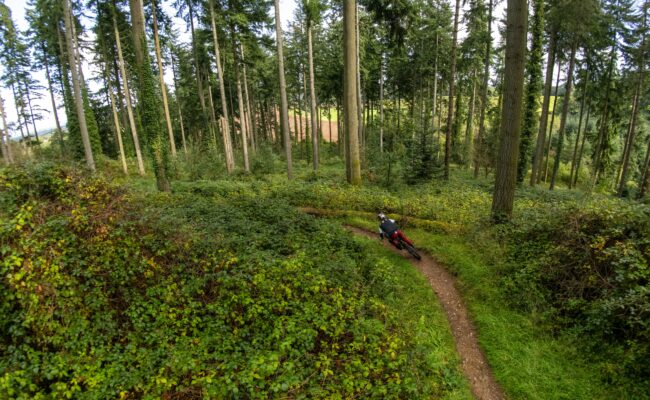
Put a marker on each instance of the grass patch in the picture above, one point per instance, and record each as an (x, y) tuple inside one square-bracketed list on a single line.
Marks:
[(527, 362)]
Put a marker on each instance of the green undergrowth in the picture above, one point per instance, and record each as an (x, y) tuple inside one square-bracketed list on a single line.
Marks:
[(527, 361), (115, 293)]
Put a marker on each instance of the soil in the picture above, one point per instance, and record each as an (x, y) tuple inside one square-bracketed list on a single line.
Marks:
[(474, 363)]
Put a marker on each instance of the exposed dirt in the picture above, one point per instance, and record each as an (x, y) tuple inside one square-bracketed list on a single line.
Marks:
[(474, 363)]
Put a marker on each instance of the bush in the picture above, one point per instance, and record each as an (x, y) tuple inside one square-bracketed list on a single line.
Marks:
[(585, 266), (109, 294)]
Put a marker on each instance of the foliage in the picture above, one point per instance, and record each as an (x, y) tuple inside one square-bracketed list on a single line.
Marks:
[(108, 294), (585, 267)]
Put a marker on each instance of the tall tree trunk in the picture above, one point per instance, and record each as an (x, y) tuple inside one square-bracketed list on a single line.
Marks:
[(312, 95), (240, 102), (59, 131), (538, 155), (435, 86), (118, 128), (381, 102), (548, 146), (604, 124), (452, 84), (250, 118), (480, 145), (178, 105), (308, 117), (199, 81), (161, 78), (88, 151), (582, 148), (506, 169), (644, 182), (284, 110), (635, 113), (577, 144), (148, 100), (565, 112), (533, 88), (127, 96), (350, 100), (225, 126), (359, 96), (469, 131), (5, 139)]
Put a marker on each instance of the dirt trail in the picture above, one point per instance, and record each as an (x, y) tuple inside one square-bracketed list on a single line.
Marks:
[(474, 363)]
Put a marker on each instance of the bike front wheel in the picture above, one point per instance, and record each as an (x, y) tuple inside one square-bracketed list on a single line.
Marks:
[(411, 250)]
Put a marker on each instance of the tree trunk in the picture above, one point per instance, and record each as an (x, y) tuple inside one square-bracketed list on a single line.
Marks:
[(54, 110), (582, 148), (550, 129), (506, 168), (565, 111), (452, 84), (178, 105), (5, 139), (127, 96), (250, 119), (582, 108), (161, 78), (604, 124), (645, 177), (88, 152), (469, 134), (381, 102), (240, 102), (635, 112), (480, 146), (538, 155), (284, 110), (199, 81), (225, 126), (350, 100), (312, 95)]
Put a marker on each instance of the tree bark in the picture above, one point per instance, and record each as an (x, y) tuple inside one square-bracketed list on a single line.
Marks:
[(381, 102), (225, 126), (547, 148), (178, 105), (5, 139), (635, 113), (452, 84), (240, 103), (538, 155), (350, 99), (127, 96), (484, 95), (250, 118), (161, 78), (284, 107), (582, 107), (469, 134), (506, 169), (582, 148), (565, 112), (88, 151), (54, 110), (312, 95)]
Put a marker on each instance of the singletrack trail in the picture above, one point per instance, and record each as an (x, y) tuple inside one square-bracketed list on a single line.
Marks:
[(474, 363)]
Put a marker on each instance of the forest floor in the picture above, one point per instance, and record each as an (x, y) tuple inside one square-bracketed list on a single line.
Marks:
[(475, 366)]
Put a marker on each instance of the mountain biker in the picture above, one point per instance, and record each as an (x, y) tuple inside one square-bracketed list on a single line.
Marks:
[(389, 229)]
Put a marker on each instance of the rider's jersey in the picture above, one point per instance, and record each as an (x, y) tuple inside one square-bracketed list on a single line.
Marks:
[(389, 227)]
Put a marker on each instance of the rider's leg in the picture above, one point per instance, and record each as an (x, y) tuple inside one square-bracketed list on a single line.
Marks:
[(404, 238), (394, 241)]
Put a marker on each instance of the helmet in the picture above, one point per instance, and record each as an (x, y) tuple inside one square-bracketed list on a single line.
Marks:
[(381, 216)]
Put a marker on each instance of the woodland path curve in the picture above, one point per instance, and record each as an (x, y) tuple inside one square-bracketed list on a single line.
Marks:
[(474, 363)]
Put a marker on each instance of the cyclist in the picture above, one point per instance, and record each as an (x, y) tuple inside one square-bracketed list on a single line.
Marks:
[(389, 229)]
